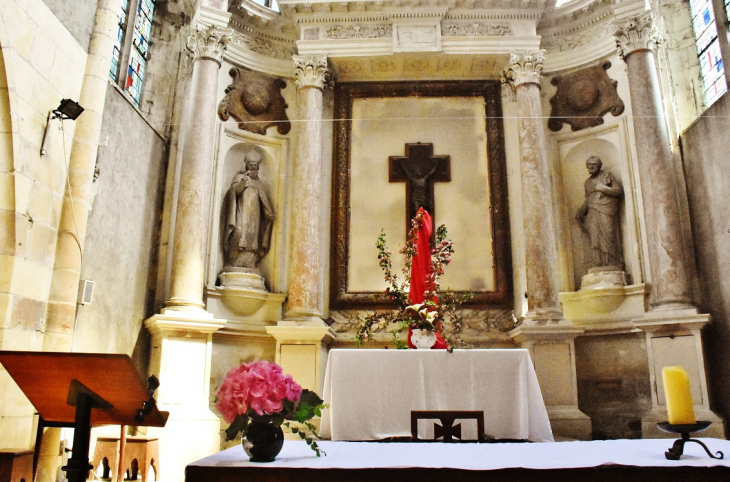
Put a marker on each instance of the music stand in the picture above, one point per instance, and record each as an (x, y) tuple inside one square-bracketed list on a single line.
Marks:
[(82, 390)]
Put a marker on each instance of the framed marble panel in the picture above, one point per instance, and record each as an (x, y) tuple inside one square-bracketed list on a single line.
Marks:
[(463, 120)]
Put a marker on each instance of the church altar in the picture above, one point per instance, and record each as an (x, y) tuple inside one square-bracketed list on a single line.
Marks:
[(601, 460), (371, 392)]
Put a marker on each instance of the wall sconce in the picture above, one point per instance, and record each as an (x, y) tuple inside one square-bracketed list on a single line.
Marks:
[(67, 109)]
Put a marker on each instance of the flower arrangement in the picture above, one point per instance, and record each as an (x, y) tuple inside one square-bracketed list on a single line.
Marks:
[(438, 309), (261, 392)]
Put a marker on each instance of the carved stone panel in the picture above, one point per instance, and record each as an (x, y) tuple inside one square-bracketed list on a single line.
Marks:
[(583, 97), (255, 101)]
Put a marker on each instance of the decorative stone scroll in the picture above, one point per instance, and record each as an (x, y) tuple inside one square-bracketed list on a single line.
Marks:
[(311, 71), (583, 97), (255, 101), (525, 67), (209, 42), (635, 33)]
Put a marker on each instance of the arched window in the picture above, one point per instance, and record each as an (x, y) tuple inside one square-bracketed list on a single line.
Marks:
[(131, 46)]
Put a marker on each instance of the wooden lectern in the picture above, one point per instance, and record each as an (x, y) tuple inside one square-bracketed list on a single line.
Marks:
[(81, 390)]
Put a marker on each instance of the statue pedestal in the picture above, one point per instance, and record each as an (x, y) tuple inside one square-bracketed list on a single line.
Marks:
[(604, 301), (242, 278)]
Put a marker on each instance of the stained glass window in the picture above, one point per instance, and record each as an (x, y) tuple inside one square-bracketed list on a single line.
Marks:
[(118, 41), (708, 49), (140, 46)]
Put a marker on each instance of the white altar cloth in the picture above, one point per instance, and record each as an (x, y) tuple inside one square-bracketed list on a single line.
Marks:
[(483, 456), (371, 392)]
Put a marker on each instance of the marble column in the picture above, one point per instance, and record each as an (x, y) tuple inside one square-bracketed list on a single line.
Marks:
[(306, 274), (187, 278), (539, 224), (670, 275)]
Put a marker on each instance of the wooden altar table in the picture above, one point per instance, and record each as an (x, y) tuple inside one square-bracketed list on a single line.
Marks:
[(596, 461), (371, 392)]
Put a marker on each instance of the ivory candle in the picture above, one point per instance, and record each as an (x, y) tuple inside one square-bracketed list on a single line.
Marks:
[(678, 395)]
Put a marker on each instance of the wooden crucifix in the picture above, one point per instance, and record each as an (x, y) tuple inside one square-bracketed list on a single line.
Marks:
[(419, 169)]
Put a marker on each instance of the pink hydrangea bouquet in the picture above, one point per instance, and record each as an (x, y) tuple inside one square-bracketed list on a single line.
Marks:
[(260, 391)]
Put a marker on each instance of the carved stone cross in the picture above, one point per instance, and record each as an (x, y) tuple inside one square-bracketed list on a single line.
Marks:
[(419, 169)]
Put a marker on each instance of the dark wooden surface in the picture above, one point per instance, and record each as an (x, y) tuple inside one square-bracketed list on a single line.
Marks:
[(594, 474)]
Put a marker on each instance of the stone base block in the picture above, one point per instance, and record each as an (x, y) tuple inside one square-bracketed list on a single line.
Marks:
[(189, 435), (569, 422)]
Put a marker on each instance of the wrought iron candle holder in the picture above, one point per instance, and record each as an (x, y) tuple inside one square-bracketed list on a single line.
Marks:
[(685, 430)]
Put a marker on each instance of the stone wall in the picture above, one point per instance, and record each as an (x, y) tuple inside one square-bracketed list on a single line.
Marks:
[(77, 16), (122, 237), (41, 63), (704, 150)]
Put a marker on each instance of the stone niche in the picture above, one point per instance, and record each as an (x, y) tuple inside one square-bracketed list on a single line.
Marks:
[(248, 301)]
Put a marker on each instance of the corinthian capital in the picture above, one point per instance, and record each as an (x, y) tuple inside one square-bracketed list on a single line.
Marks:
[(311, 71), (209, 42), (525, 67), (635, 33)]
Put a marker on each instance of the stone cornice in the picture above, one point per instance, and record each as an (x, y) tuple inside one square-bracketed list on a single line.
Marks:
[(209, 42), (525, 67), (311, 71), (635, 33)]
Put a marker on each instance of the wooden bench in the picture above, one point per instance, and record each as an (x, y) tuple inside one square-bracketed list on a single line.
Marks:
[(16, 465)]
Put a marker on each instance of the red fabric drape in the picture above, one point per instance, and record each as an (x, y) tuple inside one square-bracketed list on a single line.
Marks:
[(421, 265), (420, 268)]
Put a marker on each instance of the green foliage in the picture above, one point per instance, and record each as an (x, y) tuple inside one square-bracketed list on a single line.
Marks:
[(431, 315)]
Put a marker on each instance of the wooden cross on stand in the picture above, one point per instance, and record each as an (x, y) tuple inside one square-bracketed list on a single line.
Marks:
[(419, 169)]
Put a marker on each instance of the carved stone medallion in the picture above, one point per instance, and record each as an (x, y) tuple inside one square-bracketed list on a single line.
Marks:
[(255, 101), (583, 97)]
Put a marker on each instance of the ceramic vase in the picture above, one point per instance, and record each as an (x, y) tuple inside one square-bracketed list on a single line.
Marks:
[(423, 339), (263, 441)]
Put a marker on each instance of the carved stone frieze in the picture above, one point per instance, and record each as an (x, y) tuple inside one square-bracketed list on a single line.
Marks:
[(264, 46), (583, 97), (475, 30), (255, 101), (311, 71), (562, 43), (209, 42), (525, 67), (340, 32), (635, 33)]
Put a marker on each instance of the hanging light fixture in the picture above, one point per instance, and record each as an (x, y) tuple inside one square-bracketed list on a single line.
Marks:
[(67, 109)]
